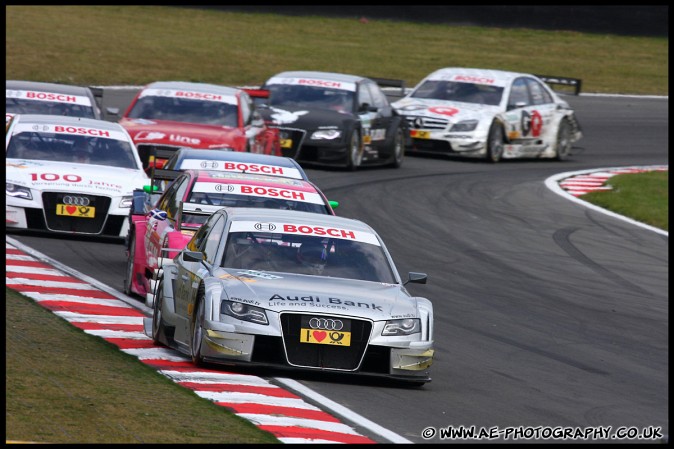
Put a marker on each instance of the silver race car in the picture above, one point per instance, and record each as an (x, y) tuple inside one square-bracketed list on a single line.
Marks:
[(490, 114), (293, 290)]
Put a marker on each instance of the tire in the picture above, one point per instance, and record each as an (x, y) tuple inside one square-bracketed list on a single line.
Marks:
[(398, 148), (129, 265), (197, 331), (495, 143), (354, 151), (563, 142), (157, 325)]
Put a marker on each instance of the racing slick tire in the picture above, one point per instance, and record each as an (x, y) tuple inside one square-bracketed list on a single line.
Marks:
[(197, 329), (398, 148), (354, 151), (563, 142), (129, 264), (495, 143), (157, 325)]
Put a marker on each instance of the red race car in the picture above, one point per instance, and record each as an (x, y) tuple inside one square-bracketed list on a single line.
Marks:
[(161, 228), (167, 115)]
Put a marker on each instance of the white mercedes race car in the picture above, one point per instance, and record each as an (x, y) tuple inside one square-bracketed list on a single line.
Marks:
[(490, 114), (70, 175), (295, 290)]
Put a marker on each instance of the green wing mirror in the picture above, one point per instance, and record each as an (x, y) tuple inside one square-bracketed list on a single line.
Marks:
[(334, 204)]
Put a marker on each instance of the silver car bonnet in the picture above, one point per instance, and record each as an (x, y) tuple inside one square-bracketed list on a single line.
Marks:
[(315, 294)]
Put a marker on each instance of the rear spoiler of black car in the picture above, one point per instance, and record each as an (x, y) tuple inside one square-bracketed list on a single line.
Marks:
[(573, 83), (388, 82)]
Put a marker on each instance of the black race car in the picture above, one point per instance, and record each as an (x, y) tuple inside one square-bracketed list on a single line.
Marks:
[(334, 119)]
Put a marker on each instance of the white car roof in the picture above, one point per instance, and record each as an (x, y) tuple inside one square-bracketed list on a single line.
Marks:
[(314, 219), (195, 87), (500, 77), (40, 119), (48, 87)]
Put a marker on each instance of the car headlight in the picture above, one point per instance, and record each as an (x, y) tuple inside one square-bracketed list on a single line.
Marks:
[(406, 326), (18, 191), (464, 126), (327, 134), (127, 201), (244, 312)]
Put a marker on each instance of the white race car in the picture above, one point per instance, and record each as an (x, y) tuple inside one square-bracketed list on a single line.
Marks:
[(489, 114), (70, 175)]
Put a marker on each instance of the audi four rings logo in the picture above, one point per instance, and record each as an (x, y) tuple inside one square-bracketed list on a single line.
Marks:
[(326, 324), (265, 226), (207, 164), (219, 187), (418, 122), (76, 200)]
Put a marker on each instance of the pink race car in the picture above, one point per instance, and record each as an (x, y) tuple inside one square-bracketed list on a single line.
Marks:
[(158, 230)]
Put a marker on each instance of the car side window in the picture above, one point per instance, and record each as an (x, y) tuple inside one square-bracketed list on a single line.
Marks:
[(378, 97), (246, 108), (364, 96), (213, 239), (518, 94), (539, 95), (170, 202)]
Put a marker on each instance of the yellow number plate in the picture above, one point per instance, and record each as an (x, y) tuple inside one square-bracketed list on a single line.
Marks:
[(325, 337), (75, 211), (286, 143), (420, 134)]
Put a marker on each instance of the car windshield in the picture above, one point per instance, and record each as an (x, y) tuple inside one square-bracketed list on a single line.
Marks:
[(297, 96), (69, 148), (22, 106), (310, 255), (243, 200), (186, 110), (459, 91)]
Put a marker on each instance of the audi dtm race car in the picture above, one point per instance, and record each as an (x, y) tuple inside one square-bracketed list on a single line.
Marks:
[(293, 290), (31, 97), (334, 119), (173, 114), (158, 229), (70, 175), (489, 114)]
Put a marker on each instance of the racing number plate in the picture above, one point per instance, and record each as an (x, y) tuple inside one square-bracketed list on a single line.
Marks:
[(75, 211), (325, 331), (286, 143), (420, 134)]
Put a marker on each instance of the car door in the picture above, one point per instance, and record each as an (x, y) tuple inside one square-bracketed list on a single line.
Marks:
[(382, 124), (369, 117), (530, 108)]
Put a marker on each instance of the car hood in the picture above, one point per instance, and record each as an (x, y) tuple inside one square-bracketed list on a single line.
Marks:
[(304, 118), (302, 293), (73, 177), (160, 132), (449, 110)]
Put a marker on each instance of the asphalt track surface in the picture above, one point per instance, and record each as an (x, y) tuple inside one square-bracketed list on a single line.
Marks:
[(547, 313)]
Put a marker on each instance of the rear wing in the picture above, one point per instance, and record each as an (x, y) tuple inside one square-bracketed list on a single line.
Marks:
[(570, 85), (388, 82), (193, 209), (258, 95)]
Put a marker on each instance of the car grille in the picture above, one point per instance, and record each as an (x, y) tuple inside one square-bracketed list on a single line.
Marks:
[(310, 355), (146, 150), (297, 137), (416, 122), (60, 223), (432, 146)]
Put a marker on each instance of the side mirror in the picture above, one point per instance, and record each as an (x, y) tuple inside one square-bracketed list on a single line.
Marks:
[(112, 111), (193, 256), (416, 278), (334, 204), (150, 189)]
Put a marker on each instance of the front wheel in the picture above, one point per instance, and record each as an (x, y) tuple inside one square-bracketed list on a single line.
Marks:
[(197, 331), (354, 151), (129, 265), (495, 142), (157, 324), (563, 143), (398, 148)]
